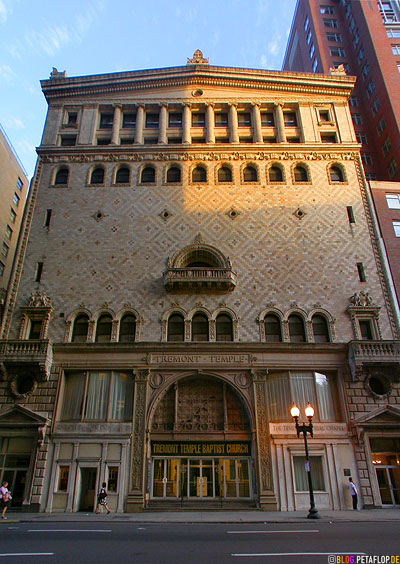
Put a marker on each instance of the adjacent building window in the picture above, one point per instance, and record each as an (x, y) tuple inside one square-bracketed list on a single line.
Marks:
[(370, 87), (315, 65), (381, 126), (396, 227), (5, 249), (366, 158), (375, 106), (97, 396), (392, 168), (386, 146), (13, 216), (361, 137), (396, 49), (9, 232), (312, 51), (337, 52), (306, 23), (357, 119), (327, 10), (16, 199), (330, 22), (19, 184), (2, 268), (393, 201), (336, 37)]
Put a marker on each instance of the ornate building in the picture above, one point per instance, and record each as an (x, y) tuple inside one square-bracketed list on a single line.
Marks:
[(198, 253)]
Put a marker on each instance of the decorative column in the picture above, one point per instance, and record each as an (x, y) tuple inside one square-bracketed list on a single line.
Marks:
[(187, 117), (280, 123), (139, 125), (162, 133), (116, 125), (257, 133), (210, 124), (233, 124), (263, 460), (135, 500)]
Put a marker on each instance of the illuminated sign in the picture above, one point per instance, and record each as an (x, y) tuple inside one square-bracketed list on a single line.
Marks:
[(226, 448)]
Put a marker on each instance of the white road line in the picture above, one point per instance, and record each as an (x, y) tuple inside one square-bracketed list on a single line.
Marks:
[(300, 554), (271, 532), (69, 531), (28, 554)]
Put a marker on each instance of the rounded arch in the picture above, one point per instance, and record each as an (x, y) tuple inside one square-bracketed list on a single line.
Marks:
[(97, 175), (250, 172), (296, 310), (296, 325), (147, 173), (71, 319), (198, 173), (199, 253), (203, 310), (224, 309), (301, 173), (165, 325), (122, 174), (61, 176), (269, 331), (336, 173), (124, 331), (329, 321), (173, 173), (275, 173), (223, 173), (127, 310), (103, 311)]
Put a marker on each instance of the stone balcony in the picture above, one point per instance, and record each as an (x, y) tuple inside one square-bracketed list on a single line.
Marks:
[(374, 354), (28, 355), (199, 279)]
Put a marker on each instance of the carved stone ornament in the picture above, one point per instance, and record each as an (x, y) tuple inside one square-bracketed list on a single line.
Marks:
[(22, 385), (56, 74), (361, 299), (338, 70), (198, 59), (39, 299)]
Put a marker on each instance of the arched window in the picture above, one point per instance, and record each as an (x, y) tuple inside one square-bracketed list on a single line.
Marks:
[(122, 176), (199, 327), (273, 333), (127, 328), (296, 329), (148, 174), (61, 176), (174, 174), (103, 329), (300, 174), (199, 174), (80, 330), (275, 174), (224, 174), (336, 174), (97, 176), (250, 174), (224, 327), (176, 328), (320, 329)]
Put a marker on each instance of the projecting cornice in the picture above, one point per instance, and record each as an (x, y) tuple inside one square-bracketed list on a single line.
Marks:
[(197, 75)]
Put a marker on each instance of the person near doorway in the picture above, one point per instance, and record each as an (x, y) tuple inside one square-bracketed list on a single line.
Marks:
[(5, 498), (102, 499), (354, 493)]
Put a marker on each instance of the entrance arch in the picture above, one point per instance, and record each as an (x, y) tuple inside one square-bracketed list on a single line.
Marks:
[(200, 441)]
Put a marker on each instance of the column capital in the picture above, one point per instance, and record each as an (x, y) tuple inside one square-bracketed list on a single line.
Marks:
[(256, 104), (210, 104), (163, 104), (187, 105), (233, 104), (117, 105), (281, 104)]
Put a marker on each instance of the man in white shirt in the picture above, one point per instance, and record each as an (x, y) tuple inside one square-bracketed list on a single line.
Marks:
[(353, 492)]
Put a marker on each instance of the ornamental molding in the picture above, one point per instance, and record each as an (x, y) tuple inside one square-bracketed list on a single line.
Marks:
[(208, 156)]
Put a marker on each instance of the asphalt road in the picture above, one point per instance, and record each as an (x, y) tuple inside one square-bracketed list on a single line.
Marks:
[(132, 543)]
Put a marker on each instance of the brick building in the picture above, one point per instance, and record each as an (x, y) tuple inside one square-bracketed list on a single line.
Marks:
[(196, 259)]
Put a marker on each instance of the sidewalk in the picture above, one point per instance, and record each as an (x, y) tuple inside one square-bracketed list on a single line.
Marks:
[(207, 517)]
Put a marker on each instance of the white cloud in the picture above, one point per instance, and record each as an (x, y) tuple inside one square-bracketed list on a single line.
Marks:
[(263, 60), (3, 12), (50, 41), (12, 122), (6, 72), (274, 47)]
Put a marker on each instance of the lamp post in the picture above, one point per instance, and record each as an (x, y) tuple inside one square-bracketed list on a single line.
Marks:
[(295, 413)]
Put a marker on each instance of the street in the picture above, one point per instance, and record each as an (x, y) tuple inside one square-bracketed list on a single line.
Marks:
[(135, 543)]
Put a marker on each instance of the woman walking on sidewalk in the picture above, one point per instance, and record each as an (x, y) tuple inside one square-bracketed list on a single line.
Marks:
[(102, 499), (5, 497)]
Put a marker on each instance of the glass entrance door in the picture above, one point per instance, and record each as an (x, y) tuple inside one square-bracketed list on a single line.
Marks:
[(389, 485), (166, 477)]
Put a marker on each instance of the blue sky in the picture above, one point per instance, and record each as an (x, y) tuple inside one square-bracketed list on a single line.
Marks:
[(100, 36)]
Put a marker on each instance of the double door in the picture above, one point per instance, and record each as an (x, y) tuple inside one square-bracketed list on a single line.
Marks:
[(389, 484)]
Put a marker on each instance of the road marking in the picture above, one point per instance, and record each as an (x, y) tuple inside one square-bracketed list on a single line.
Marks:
[(28, 554), (271, 532), (69, 531), (300, 554)]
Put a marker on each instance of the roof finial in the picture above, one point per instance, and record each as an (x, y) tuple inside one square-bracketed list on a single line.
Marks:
[(198, 59)]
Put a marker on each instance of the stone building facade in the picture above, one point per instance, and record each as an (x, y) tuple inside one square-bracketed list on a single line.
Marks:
[(195, 258)]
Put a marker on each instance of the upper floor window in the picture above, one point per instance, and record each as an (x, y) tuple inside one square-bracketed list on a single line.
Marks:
[(224, 174), (336, 174), (366, 158), (326, 9), (365, 329), (275, 174), (176, 328), (306, 23), (16, 199), (357, 119), (4, 249), (393, 201), (127, 328), (152, 120), (12, 216), (9, 232), (296, 329), (97, 176), (174, 174), (106, 120), (250, 174), (104, 328), (300, 174), (175, 119), (148, 174), (267, 119), (335, 37), (381, 125), (2, 268), (128, 120), (370, 87), (315, 65), (224, 327), (19, 183), (221, 119), (68, 140), (361, 137), (320, 329), (244, 119), (61, 176), (273, 332), (198, 119), (290, 119), (396, 49), (386, 146), (396, 228), (392, 168), (123, 175), (330, 22), (72, 118), (200, 327), (375, 106), (199, 174), (353, 101), (337, 52), (80, 329)]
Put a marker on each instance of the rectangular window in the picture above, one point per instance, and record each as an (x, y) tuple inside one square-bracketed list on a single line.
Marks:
[(47, 218), (112, 483), (12, 216), (198, 140), (98, 396), (106, 120), (356, 39), (39, 270), (328, 138), (312, 51), (127, 140), (361, 137), (357, 119), (2, 268), (175, 119), (393, 201), (393, 32), (396, 49), (365, 329), (174, 140), (63, 475), (306, 23), (103, 140), (5, 249), (222, 140), (335, 37), (337, 52), (386, 146), (150, 140), (35, 331), (370, 88), (16, 199), (381, 126), (128, 120), (72, 118), (392, 168), (370, 176), (290, 119), (68, 140), (198, 119), (221, 119), (324, 116), (361, 272), (361, 54), (396, 228), (330, 22), (244, 119), (365, 71), (152, 120), (9, 232), (315, 65), (309, 37), (300, 473), (375, 106), (366, 158), (350, 214), (267, 119), (19, 184), (327, 10)]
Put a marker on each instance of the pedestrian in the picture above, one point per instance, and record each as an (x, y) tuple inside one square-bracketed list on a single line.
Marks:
[(5, 498), (353, 492), (102, 499)]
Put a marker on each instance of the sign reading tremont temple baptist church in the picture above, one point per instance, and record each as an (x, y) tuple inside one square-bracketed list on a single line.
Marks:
[(169, 448)]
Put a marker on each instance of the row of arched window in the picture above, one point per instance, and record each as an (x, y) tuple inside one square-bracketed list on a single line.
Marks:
[(201, 326), (199, 174)]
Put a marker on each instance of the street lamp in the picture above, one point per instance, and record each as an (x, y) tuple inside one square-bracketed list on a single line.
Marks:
[(295, 413)]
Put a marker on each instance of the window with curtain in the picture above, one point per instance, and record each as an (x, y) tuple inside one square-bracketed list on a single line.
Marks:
[(286, 388), (97, 396), (300, 474)]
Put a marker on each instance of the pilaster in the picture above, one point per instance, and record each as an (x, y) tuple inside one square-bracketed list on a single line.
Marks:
[(139, 125)]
